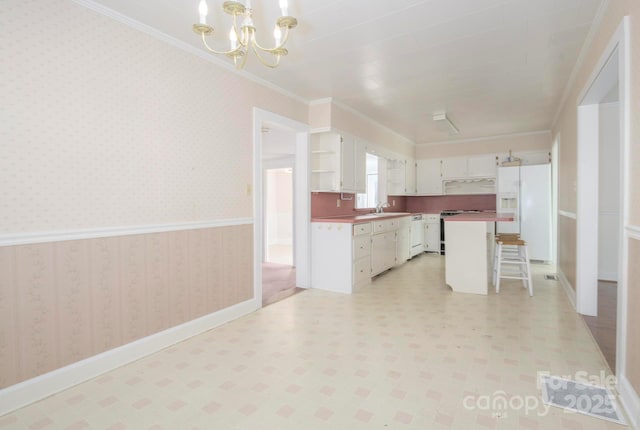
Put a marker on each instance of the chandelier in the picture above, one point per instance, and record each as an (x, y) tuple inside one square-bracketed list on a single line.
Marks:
[(243, 38)]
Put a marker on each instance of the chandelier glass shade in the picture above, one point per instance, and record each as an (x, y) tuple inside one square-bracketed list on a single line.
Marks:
[(242, 37)]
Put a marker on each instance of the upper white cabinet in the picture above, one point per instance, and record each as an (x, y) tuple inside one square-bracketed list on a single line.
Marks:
[(348, 164), (454, 168), (410, 178), (360, 154), (482, 166), (429, 177), (396, 177), (337, 163), (401, 177)]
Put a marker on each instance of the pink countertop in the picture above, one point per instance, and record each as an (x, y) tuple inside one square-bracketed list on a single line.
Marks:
[(354, 219), (483, 216)]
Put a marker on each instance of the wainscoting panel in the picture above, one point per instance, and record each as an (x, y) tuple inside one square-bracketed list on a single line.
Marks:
[(62, 302), (8, 319), (105, 294)]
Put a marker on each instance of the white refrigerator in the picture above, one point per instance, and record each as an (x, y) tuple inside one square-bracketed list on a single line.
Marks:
[(525, 192)]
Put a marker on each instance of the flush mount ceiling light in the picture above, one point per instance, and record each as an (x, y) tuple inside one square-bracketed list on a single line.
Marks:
[(445, 124), (243, 38)]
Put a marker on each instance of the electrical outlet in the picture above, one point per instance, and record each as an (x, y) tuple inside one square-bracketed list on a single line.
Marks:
[(393, 202), (249, 190), (338, 203)]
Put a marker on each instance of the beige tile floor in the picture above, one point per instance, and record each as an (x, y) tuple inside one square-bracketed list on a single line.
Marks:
[(401, 354)]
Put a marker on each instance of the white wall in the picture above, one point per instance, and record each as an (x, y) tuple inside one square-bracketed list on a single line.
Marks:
[(609, 192)]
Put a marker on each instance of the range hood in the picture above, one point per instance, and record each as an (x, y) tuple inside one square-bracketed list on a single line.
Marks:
[(469, 186)]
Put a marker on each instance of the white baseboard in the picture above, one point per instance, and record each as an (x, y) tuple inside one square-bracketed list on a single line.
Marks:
[(571, 293), (630, 401), (32, 390), (608, 276)]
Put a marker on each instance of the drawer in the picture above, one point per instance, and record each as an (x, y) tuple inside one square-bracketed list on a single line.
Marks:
[(384, 225), (362, 270), (359, 229), (431, 218), (361, 247)]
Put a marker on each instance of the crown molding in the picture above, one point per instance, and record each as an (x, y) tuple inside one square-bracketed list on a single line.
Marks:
[(320, 101), (153, 32), (595, 24), (482, 139)]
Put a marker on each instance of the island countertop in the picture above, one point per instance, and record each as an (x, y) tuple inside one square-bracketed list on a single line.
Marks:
[(483, 216)]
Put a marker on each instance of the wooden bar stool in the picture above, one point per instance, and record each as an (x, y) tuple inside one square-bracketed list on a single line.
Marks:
[(512, 253), (507, 250)]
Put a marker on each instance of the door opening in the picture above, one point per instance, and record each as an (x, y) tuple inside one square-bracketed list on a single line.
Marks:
[(282, 207), (601, 165)]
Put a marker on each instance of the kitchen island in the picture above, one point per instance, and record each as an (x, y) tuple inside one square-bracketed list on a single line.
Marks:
[(469, 257)]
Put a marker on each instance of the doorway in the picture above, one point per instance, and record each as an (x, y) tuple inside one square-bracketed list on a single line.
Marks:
[(278, 265), (602, 184), (282, 207), (603, 324)]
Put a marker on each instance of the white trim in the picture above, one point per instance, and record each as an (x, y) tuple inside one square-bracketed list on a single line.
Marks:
[(32, 390), (571, 294), (633, 231), (320, 130), (588, 145), (624, 88), (566, 214), (302, 199), (93, 233), (103, 10), (630, 401), (482, 139), (593, 30), (323, 101)]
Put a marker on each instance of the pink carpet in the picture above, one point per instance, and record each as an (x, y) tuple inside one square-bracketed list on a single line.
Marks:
[(278, 282)]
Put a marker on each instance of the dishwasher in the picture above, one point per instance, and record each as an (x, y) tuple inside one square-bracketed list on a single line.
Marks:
[(417, 235)]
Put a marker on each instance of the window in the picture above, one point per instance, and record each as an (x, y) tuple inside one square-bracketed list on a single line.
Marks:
[(375, 183)]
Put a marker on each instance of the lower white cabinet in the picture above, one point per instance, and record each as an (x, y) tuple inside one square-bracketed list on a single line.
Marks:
[(340, 256), (383, 244), (431, 224), (383, 252), (344, 257)]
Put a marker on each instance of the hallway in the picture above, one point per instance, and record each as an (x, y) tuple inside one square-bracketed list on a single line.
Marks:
[(403, 353)]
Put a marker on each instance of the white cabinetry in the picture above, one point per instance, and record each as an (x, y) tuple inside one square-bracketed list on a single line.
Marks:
[(482, 166), (410, 178), (454, 168), (361, 254), (428, 177), (396, 177), (360, 154), (347, 164), (340, 256), (337, 164), (401, 177), (431, 223), (403, 240), (383, 245)]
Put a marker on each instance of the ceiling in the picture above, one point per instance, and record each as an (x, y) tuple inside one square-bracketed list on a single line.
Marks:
[(495, 66)]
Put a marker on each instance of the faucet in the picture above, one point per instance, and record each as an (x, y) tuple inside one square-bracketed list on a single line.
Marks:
[(380, 207)]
